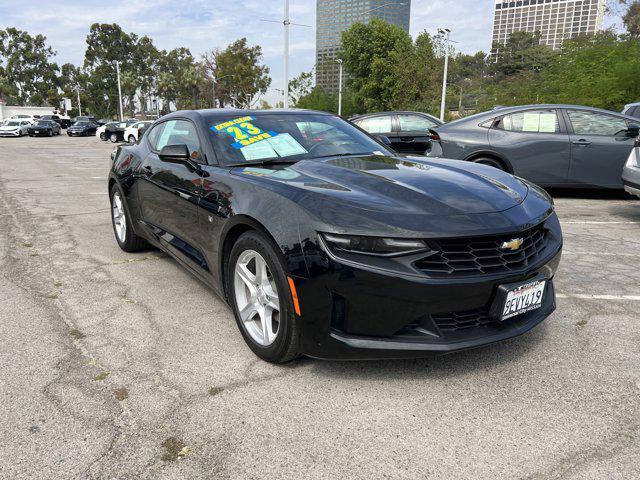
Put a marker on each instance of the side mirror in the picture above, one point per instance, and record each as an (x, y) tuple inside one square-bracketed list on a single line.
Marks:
[(383, 139), (179, 154), (633, 130), (175, 154)]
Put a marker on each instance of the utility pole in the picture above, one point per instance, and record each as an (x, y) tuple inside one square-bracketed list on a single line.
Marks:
[(285, 61), (119, 90), (286, 53), (446, 71), (339, 61), (79, 105)]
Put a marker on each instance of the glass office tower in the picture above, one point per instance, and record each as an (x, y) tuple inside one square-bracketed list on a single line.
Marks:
[(335, 16), (554, 19)]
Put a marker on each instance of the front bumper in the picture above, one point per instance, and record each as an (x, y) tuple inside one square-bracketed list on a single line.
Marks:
[(354, 313), (40, 133), (10, 134), (76, 133)]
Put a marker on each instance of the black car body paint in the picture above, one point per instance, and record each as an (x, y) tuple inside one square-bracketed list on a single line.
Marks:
[(353, 306)]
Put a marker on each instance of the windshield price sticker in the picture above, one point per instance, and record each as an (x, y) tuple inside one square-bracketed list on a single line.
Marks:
[(243, 131)]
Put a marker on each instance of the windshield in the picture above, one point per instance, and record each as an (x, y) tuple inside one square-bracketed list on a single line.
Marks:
[(81, 124), (291, 136), (44, 123), (13, 124)]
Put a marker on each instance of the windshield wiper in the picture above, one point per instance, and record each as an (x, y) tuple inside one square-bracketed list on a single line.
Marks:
[(269, 161)]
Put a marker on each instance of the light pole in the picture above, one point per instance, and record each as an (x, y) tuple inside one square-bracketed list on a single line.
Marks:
[(79, 105), (119, 90), (285, 61), (446, 70), (339, 62)]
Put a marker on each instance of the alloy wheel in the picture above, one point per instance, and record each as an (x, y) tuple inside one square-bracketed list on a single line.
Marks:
[(256, 297), (119, 218)]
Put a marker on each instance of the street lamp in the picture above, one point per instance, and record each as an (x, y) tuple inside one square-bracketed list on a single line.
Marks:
[(339, 62), (447, 34), (119, 90)]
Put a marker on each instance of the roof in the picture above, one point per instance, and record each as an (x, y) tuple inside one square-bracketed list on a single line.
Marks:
[(505, 110), (224, 112)]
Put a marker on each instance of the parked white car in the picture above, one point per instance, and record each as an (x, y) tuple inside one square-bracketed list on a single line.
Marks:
[(100, 131), (29, 118), (14, 128), (132, 133)]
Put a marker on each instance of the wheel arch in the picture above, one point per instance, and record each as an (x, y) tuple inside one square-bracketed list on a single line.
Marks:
[(491, 154), (238, 225)]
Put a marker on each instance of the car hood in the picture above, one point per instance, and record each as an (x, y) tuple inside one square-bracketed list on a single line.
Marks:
[(395, 185)]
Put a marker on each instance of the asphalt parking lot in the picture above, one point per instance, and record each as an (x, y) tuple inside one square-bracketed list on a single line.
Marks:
[(119, 366)]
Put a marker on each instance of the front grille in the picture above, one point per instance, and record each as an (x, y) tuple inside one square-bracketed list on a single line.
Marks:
[(462, 320), (483, 255)]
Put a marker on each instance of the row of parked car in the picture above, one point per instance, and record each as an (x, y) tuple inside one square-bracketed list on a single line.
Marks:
[(51, 125), (550, 145)]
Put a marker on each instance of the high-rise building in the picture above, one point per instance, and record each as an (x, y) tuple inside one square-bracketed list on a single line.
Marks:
[(554, 19), (335, 16)]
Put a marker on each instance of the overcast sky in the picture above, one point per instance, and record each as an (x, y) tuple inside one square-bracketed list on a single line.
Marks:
[(202, 25)]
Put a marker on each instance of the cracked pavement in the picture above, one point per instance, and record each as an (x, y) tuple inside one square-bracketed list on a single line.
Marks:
[(121, 366)]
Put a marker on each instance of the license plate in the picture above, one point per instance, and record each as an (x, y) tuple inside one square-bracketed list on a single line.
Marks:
[(523, 298)]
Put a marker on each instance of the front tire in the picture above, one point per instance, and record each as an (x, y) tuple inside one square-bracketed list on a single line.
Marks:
[(113, 138), (103, 137), (121, 221), (261, 299), (132, 139)]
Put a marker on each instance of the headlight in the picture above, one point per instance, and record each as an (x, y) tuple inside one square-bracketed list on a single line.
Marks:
[(634, 158), (377, 246)]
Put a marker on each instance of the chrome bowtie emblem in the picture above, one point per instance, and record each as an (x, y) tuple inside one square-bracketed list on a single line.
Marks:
[(513, 244)]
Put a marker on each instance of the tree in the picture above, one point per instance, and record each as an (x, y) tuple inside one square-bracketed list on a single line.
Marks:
[(179, 78), (300, 86), (374, 56), (28, 77), (522, 52), (239, 78), (631, 19)]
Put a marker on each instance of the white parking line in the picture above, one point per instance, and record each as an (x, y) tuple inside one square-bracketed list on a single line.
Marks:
[(593, 222), (602, 254), (584, 296)]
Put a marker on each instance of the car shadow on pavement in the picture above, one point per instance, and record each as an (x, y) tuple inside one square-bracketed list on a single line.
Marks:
[(436, 366)]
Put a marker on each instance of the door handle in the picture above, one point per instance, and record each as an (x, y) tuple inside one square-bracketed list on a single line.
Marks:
[(582, 142)]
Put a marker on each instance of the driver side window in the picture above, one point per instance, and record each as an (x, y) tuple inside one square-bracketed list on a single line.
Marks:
[(176, 132)]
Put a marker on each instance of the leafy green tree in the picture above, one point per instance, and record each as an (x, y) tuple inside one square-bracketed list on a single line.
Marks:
[(631, 19), (28, 75), (374, 55), (300, 86), (239, 77), (522, 52)]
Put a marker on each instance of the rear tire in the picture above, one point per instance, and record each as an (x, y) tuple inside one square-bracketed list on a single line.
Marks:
[(103, 137), (132, 139), (121, 222), (492, 162), (113, 138), (278, 343)]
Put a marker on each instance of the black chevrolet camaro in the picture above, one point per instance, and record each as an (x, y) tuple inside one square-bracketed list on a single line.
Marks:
[(326, 243)]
